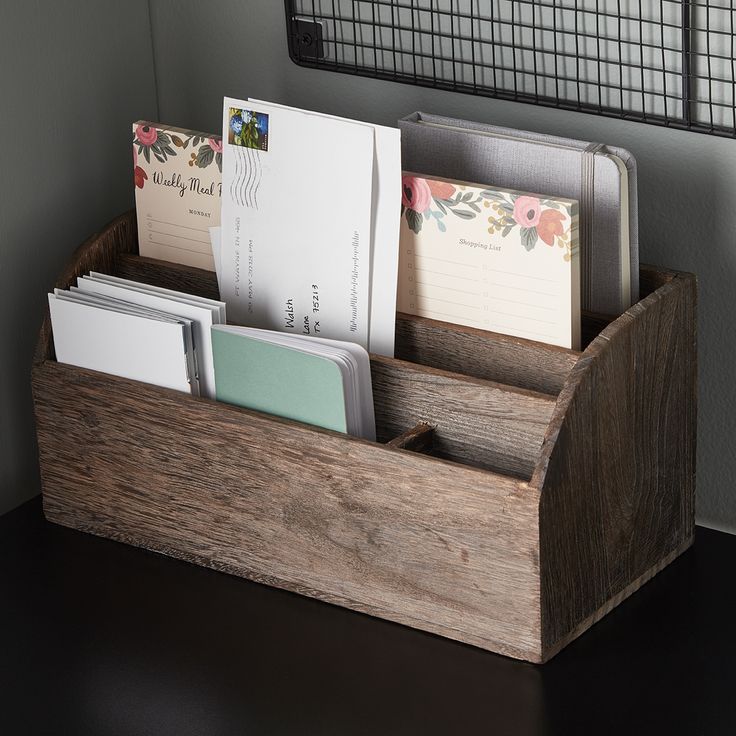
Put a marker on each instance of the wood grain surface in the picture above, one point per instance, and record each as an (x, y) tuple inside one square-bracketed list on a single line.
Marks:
[(459, 544), (417, 439), (617, 472), (479, 423), (482, 354), (404, 536), (169, 275)]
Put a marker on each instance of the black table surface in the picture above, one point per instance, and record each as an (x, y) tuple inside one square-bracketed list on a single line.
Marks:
[(97, 637)]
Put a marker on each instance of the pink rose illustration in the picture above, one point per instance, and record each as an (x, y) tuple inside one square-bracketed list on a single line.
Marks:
[(527, 211), (215, 145), (146, 134), (441, 189), (550, 224), (416, 194)]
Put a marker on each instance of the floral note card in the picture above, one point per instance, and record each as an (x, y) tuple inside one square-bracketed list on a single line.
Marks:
[(178, 182), (494, 259)]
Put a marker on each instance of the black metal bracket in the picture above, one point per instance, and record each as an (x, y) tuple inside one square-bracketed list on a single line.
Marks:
[(305, 39)]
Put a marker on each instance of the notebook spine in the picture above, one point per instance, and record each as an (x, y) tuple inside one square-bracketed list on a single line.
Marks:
[(587, 199)]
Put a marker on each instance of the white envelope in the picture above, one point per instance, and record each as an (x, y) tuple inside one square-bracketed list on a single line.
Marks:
[(127, 344), (386, 209), (178, 295), (202, 316), (296, 221)]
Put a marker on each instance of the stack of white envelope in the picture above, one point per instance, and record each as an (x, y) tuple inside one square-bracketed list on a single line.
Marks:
[(310, 223), (137, 331)]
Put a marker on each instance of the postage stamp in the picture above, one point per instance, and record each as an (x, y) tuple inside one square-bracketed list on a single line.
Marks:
[(248, 128)]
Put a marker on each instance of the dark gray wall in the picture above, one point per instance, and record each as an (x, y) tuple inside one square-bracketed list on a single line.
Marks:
[(72, 82), (687, 181), (73, 76)]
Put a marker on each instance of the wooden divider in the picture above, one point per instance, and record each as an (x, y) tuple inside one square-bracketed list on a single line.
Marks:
[(479, 423)]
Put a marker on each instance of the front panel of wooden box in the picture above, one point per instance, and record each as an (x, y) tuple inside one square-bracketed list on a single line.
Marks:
[(418, 540)]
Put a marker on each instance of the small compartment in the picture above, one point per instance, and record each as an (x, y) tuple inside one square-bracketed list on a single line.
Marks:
[(517, 493), (476, 422)]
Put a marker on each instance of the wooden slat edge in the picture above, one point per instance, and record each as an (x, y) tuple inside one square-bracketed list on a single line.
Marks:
[(419, 438), (550, 650), (175, 276), (98, 253), (652, 278)]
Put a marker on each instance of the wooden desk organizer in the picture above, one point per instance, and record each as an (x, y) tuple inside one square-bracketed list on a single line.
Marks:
[(517, 493)]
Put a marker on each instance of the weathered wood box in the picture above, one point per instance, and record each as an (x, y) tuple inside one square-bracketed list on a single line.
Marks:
[(548, 486)]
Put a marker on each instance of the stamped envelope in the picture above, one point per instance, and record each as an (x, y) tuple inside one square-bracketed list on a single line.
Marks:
[(296, 221), (385, 232)]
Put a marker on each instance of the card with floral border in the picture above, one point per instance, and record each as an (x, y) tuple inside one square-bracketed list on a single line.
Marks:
[(178, 182), (495, 259)]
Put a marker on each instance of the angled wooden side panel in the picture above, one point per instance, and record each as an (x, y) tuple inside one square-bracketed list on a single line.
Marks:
[(413, 539), (618, 464)]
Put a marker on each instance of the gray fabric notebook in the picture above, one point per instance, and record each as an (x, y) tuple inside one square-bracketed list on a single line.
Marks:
[(601, 178)]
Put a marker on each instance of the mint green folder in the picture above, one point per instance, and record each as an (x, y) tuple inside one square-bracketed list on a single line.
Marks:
[(278, 380)]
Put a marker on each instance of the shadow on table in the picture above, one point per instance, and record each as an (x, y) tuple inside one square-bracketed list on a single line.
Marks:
[(102, 638)]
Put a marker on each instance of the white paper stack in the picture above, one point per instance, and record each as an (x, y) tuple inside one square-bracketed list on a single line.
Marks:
[(137, 331)]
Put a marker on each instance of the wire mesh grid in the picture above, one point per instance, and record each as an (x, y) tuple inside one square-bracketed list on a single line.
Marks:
[(667, 62)]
